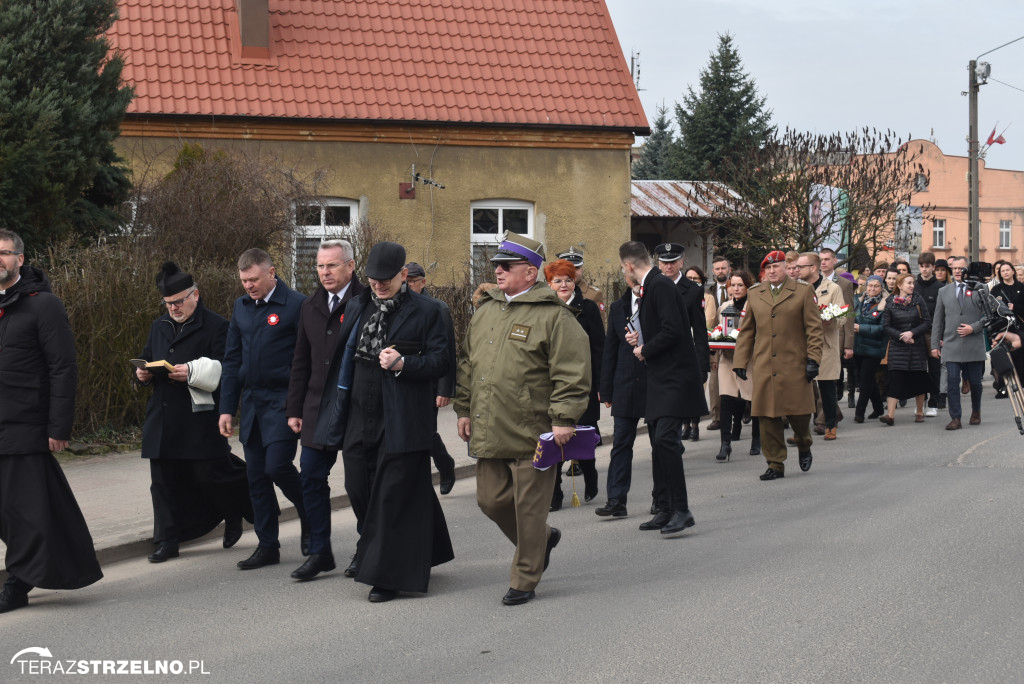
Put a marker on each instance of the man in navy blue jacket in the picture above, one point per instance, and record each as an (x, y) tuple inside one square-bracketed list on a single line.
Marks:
[(256, 370)]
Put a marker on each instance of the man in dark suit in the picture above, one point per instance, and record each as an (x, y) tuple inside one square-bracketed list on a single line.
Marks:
[(443, 461), (670, 263), (319, 323), (664, 342), (401, 347), (257, 362), (196, 482), (624, 390)]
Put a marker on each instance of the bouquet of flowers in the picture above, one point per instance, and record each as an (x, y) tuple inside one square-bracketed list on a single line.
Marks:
[(832, 312), (718, 335)]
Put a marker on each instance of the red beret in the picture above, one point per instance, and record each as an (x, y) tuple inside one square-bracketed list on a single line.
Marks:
[(774, 257)]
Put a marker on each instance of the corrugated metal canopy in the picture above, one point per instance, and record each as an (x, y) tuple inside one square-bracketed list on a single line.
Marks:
[(677, 199)]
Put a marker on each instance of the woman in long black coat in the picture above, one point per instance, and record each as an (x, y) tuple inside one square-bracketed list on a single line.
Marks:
[(906, 322), (561, 276)]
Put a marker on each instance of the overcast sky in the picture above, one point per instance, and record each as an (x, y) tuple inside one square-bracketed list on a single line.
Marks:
[(836, 65)]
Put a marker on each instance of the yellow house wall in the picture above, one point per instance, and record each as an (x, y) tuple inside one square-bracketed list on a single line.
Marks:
[(580, 195)]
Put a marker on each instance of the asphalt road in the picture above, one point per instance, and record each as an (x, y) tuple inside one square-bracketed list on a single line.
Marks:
[(897, 558)]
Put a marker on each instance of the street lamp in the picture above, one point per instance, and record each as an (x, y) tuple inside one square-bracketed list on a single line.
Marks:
[(978, 76)]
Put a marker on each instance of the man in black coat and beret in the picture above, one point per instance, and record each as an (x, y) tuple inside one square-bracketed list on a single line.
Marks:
[(195, 480), (396, 346), (319, 325), (664, 342), (48, 542), (257, 368)]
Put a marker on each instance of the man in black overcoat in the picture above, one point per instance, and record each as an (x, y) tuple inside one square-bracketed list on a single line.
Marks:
[(195, 480), (624, 390), (48, 542), (670, 263), (665, 343), (396, 346), (443, 461), (319, 325), (257, 368)]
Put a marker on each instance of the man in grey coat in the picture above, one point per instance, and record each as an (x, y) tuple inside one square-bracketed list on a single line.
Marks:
[(957, 341)]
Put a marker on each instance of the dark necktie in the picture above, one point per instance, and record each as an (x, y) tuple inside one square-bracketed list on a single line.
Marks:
[(960, 293), (334, 302)]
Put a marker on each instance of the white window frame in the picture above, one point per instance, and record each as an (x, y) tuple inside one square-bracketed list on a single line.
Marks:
[(939, 233), (492, 239), (310, 232), (1005, 234)]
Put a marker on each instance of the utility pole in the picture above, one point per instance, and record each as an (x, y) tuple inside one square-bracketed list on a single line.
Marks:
[(973, 224)]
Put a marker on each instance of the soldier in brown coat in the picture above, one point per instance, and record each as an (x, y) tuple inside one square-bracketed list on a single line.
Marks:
[(782, 335)]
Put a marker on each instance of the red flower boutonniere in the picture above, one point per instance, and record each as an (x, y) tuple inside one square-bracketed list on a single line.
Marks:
[(273, 319), (342, 319), (641, 290)]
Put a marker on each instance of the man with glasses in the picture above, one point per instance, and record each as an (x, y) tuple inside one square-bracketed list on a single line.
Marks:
[(48, 541), (524, 369), (195, 480), (319, 324), (257, 368), (957, 342)]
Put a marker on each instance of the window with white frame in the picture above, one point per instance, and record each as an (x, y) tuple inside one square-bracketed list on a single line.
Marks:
[(939, 233), (490, 219), (315, 221), (1004, 234)]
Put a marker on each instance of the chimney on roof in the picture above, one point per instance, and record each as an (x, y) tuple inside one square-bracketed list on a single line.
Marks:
[(254, 27)]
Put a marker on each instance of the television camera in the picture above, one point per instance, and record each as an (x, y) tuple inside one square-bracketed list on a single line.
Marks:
[(996, 318)]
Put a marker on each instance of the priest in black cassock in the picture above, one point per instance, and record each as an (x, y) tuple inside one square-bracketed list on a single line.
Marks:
[(196, 482), (48, 541)]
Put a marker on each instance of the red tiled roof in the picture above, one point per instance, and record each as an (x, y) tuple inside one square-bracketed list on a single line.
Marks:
[(517, 62)]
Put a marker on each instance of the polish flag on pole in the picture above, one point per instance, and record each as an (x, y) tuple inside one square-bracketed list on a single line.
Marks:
[(993, 138)]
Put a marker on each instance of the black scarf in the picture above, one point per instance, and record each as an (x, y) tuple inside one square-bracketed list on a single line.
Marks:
[(371, 341)]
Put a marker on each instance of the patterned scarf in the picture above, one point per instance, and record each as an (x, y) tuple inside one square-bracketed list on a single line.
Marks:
[(371, 342)]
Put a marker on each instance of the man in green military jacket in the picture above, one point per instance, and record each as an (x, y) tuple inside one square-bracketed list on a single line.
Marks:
[(524, 369)]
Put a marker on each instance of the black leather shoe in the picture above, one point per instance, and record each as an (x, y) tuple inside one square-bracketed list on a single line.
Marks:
[(874, 415), (724, 453), (304, 537), (659, 520), (805, 459), (553, 539), (259, 558), (381, 595), (448, 479), (350, 571), (858, 419), (447, 474), (679, 521), (314, 565), (232, 531), (687, 432), (772, 474), (695, 434), (514, 597), (556, 505), (614, 508), (755, 447), (12, 599), (575, 470), (163, 552)]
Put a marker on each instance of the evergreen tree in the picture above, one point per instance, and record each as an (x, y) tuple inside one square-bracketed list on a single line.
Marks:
[(61, 105), (727, 115), (653, 163)]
